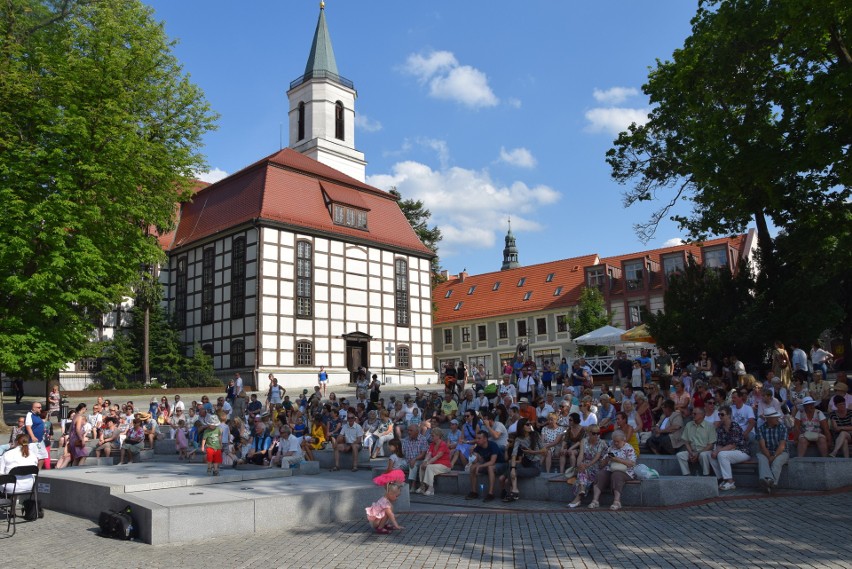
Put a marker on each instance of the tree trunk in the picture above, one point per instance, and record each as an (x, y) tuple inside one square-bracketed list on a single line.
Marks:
[(146, 365), (3, 422)]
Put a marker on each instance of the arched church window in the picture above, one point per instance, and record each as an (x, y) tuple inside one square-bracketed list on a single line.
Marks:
[(338, 121)]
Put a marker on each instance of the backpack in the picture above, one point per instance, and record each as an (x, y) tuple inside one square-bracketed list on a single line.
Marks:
[(491, 390), (117, 525), (32, 510)]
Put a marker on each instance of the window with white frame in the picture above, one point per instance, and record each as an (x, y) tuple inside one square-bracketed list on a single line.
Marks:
[(715, 258), (448, 335), (304, 353), (634, 272), (521, 327), (465, 333), (403, 357)]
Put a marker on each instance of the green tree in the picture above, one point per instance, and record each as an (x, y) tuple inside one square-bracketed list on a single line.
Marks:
[(590, 315), (119, 363), (751, 121), (198, 369), (713, 310), (99, 137), (165, 356), (418, 216)]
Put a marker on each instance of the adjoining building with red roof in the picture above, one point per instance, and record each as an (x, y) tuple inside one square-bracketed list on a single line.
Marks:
[(294, 262), (481, 319)]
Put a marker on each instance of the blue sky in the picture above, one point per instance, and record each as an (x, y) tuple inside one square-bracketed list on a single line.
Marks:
[(483, 110)]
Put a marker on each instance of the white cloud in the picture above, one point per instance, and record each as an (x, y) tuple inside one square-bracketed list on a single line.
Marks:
[(520, 157), (613, 120), (466, 204), (514, 102), (366, 124), (447, 79), (211, 176), (614, 95), (673, 242), (440, 147)]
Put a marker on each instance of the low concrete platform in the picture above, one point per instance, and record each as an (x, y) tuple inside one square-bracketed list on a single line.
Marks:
[(169, 500)]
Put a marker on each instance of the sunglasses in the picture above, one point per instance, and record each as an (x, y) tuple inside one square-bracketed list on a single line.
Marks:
[(723, 414)]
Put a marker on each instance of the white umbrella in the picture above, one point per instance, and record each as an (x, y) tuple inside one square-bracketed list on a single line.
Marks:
[(605, 336)]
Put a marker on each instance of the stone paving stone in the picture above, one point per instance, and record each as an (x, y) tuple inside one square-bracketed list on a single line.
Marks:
[(530, 537)]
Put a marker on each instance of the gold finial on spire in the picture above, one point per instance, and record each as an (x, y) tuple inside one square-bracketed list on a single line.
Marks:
[(322, 5)]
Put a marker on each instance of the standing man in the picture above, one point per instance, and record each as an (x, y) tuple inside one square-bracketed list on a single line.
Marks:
[(699, 436), (18, 386), (799, 358), (238, 382), (35, 429), (664, 368), (322, 379), (351, 436), (772, 438)]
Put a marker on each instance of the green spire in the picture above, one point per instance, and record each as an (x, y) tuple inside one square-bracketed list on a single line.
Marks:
[(321, 60)]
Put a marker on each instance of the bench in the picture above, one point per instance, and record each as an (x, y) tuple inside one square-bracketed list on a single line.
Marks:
[(325, 458), (665, 491)]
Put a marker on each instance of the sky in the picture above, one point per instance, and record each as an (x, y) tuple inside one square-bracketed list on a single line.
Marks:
[(485, 111)]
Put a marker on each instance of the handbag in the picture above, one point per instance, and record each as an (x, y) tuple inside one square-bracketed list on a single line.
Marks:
[(571, 472), (617, 467), (812, 436)]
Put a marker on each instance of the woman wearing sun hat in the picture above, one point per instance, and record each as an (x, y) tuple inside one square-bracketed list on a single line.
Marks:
[(812, 428)]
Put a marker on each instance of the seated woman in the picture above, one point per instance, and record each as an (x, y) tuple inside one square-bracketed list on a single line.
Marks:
[(525, 456), (383, 434), (437, 461), (629, 432), (552, 440), (20, 455), (318, 439), (592, 450), (468, 438), (812, 427), (133, 442), (572, 439), (620, 460), (108, 440), (840, 422)]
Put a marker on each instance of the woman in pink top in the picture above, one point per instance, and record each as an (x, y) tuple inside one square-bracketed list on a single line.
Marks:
[(437, 461)]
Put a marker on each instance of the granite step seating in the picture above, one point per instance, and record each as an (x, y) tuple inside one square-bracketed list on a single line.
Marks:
[(325, 458), (745, 473), (665, 491), (144, 456)]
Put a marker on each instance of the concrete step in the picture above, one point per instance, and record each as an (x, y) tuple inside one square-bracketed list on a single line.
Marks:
[(165, 446)]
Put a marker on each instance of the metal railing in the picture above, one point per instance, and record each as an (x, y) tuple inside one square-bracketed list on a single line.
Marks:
[(400, 376), (601, 365), (320, 74)]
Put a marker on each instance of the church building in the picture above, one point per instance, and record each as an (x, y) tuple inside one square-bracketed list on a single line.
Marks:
[(294, 262)]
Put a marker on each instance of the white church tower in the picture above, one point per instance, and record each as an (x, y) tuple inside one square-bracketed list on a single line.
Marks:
[(322, 110)]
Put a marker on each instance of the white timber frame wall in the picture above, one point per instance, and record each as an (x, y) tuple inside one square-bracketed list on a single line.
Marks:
[(353, 291)]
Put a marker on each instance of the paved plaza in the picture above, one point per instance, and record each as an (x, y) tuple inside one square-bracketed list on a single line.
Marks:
[(788, 531)]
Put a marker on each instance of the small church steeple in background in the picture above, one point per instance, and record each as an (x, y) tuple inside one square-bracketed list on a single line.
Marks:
[(510, 251), (322, 109)]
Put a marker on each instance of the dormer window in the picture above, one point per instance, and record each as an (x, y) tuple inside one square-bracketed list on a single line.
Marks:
[(349, 216), (496, 286), (558, 291), (522, 281), (449, 293), (527, 295), (549, 278), (458, 306), (471, 289)]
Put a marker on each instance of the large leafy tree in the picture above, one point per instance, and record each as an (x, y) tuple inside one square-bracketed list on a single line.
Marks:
[(751, 120), (418, 216), (590, 315), (713, 310), (99, 136)]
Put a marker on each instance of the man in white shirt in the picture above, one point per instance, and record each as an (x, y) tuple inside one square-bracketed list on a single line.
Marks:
[(799, 358), (238, 383), (179, 404), (743, 415), (289, 450), (351, 435), (738, 369)]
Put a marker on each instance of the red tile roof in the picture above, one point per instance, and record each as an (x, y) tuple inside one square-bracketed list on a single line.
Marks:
[(568, 274), (287, 187), (166, 240), (509, 297)]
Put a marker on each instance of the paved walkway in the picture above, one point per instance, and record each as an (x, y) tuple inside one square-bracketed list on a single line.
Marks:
[(766, 532)]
